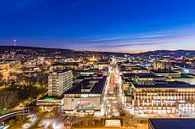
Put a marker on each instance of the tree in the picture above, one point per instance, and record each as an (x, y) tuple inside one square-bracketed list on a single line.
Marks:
[(8, 99)]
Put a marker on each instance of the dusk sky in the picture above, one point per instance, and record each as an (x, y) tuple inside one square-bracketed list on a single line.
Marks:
[(102, 25)]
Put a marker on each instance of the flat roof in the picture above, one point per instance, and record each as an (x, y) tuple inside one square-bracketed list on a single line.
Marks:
[(169, 123), (48, 98), (187, 76), (103, 63), (66, 63), (136, 67), (163, 71), (128, 75), (97, 88), (60, 71), (174, 84), (87, 70), (141, 75), (147, 75)]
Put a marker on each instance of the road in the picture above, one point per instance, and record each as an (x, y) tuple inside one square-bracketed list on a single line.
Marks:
[(112, 95), (33, 118), (13, 114)]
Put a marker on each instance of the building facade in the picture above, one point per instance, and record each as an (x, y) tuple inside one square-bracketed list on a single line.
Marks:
[(58, 82), (86, 96), (164, 99), (162, 65), (49, 103)]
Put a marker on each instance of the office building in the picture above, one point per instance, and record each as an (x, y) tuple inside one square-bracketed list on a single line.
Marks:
[(58, 82), (168, 98)]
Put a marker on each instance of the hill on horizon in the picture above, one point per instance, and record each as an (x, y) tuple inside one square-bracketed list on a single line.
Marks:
[(155, 52)]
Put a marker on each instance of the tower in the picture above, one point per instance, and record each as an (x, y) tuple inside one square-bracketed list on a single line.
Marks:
[(14, 42)]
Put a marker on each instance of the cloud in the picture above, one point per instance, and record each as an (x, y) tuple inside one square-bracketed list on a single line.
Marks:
[(130, 45), (137, 41)]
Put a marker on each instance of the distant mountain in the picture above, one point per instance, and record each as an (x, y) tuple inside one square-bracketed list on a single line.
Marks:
[(53, 50), (170, 52), (70, 53), (8, 48)]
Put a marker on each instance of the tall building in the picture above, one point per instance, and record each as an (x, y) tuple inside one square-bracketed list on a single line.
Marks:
[(58, 82)]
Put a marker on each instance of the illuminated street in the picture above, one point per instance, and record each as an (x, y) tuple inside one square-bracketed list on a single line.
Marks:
[(97, 64), (112, 94)]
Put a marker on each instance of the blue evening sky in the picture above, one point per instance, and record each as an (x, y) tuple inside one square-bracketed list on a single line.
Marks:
[(102, 25)]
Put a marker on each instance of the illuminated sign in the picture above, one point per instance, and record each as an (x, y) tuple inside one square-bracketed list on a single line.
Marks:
[(84, 95), (82, 102)]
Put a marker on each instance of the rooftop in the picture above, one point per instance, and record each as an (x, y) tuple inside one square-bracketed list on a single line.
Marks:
[(147, 75), (187, 76), (87, 70), (162, 71), (140, 75), (172, 123), (96, 89), (174, 84), (48, 98), (59, 71), (124, 68), (128, 75)]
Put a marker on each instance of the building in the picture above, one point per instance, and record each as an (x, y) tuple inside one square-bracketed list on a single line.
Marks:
[(148, 79), (166, 73), (132, 68), (49, 103), (102, 65), (169, 123), (188, 70), (168, 98), (162, 65), (85, 96), (58, 82), (129, 79), (87, 72), (188, 78)]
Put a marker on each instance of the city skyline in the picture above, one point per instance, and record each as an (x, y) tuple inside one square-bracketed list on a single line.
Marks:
[(97, 64), (116, 26)]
